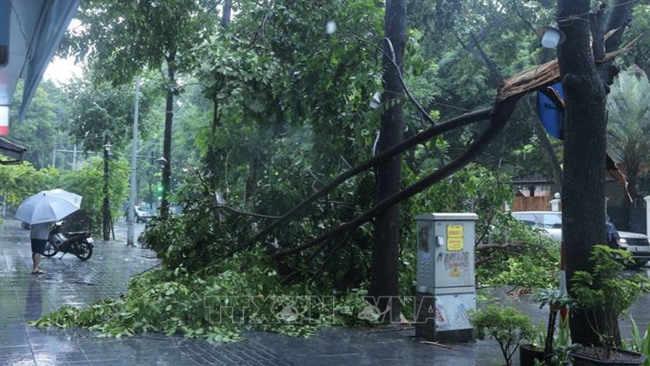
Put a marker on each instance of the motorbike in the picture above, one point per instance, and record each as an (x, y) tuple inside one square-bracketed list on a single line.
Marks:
[(79, 243)]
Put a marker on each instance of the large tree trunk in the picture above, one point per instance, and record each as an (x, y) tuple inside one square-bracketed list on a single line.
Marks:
[(583, 193), (385, 276), (167, 139)]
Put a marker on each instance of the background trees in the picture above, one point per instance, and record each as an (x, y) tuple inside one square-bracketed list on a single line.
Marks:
[(99, 113), (124, 38), (271, 107), (40, 133), (628, 122)]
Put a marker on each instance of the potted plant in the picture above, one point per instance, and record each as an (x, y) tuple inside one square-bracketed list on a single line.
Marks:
[(640, 342), (507, 325), (603, 294), (551, 348), (532, 353)]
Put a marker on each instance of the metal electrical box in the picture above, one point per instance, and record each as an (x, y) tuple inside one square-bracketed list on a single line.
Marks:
[(445, 288)]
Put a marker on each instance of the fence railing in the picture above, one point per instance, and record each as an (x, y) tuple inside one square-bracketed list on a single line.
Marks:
[(522, 203)]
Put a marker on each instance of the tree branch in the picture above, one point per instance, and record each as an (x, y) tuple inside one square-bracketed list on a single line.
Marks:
[(616, 23), (509, 93), (498, 118), (484, 246), (425, 135)]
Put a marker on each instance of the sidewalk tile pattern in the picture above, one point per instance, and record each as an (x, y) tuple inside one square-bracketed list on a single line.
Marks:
[(69, 281)]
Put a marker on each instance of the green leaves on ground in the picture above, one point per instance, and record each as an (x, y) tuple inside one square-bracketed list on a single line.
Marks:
[(217, 307)]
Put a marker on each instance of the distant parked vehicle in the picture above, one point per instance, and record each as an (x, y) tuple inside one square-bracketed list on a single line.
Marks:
[(143, 215), (550, 223), (175, 209)]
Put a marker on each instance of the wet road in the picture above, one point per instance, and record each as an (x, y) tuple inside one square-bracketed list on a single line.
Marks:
[(68, 281)]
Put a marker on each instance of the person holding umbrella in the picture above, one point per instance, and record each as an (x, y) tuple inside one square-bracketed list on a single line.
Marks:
[(38, 235), (40, 211)]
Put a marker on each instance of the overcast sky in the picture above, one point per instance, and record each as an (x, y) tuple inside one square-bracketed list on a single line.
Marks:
[(61, 70)]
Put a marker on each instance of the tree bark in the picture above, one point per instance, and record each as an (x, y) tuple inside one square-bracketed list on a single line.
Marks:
[(583, 192), (167, 139), (385, 258), (226, 10)]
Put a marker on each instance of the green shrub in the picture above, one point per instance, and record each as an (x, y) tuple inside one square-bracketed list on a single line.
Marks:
[(605, 292), (506, 325)]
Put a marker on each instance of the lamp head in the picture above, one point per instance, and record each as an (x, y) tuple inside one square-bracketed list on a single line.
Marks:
[(376, 100), (551, 36)]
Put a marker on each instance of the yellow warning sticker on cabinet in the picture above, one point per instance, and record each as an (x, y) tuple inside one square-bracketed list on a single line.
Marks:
[(455, 240)]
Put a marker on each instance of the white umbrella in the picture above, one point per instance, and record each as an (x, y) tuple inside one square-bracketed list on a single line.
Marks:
[(48, 206)]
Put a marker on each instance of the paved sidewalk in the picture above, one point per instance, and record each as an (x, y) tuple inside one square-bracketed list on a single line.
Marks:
[(69, 281)]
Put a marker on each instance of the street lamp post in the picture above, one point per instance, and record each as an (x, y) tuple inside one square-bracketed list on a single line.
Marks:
[(106, 208)]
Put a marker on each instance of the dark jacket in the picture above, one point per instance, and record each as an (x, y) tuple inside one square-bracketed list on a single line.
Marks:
[(612, 233)]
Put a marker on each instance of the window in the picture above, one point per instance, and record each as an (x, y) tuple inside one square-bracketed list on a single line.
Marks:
[(528, 219), (553, 220)]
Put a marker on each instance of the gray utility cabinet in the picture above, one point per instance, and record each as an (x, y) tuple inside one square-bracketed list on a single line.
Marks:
[(445, 288)]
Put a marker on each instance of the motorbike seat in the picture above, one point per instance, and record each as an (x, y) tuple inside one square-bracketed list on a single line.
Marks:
[(75, 236), (73, 233)]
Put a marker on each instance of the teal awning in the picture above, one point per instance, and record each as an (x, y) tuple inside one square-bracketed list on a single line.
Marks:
[(35, 32), (56, 17)]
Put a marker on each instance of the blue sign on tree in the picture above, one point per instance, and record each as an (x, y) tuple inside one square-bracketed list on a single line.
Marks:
[(549, 114)]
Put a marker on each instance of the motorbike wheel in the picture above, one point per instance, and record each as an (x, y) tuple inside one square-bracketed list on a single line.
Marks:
[(84, 251), (50, 250)]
